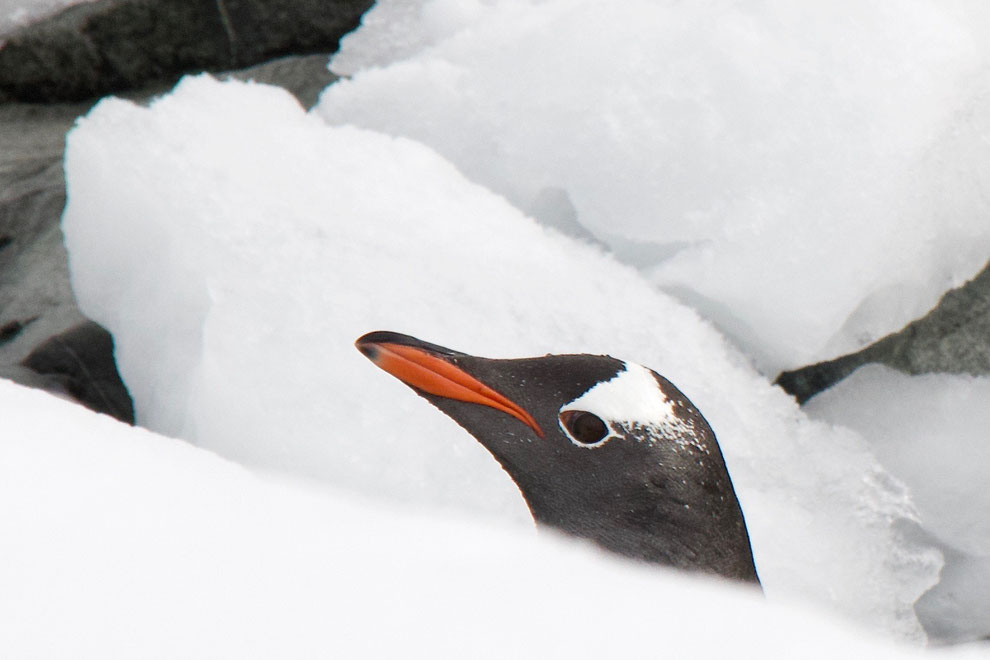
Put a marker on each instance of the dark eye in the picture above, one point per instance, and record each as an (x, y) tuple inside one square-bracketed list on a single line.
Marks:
[(584, 427)]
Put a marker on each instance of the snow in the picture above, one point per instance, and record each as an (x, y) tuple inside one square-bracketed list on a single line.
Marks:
[(125, 543), (931, 432), (236, 247), (716, 191), (748, 157)]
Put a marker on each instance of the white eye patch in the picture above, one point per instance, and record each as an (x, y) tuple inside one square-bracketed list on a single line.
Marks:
[(632, 403)]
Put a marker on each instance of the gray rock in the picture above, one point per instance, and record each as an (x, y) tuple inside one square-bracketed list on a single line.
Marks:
[(93, 49), (954, 338), (36, 300), (80, 363), (305, 76), (45, 341)]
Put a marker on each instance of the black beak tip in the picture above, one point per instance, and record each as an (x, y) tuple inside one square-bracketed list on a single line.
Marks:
[(368, 349), (367, 343)]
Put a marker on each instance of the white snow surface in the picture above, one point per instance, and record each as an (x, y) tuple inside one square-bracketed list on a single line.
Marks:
[(236, 246), (933, 433), (809, 176), (127, 544)]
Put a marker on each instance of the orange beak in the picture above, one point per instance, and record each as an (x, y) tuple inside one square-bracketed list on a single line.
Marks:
[(419, 368)]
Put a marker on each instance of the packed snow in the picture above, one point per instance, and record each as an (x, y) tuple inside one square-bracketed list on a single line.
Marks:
[(128, 544), (236, 246), (714, 191), (933, 433), (748, 157)]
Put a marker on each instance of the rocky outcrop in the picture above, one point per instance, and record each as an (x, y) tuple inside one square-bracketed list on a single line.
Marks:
[(36, 300), (79, 363), (954, 337), (305, 75), (45, 341), (96, 48)]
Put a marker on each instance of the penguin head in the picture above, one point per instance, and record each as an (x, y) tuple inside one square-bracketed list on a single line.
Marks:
[(600, 448)]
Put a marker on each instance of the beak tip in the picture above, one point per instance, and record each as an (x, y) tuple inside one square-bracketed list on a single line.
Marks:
[(367, 347), (368, 350)]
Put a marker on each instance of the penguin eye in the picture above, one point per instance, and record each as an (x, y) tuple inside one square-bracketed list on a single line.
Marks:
[(583, 427)]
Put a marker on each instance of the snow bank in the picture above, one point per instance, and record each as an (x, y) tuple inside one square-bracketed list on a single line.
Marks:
[(777, 165), (933, 433), (930, 431), (236, 246), (127, 544)]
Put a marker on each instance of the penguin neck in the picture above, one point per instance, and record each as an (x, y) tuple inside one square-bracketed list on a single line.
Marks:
[(655, 530)]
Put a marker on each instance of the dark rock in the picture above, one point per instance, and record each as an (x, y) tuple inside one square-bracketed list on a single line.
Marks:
[(954, 338), (34, 274), (81, 361), (305, 76), (93, 49), (11, 329), (36, 302)]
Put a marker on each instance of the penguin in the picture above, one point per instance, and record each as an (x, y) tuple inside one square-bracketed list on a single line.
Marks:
[(600, 448)]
